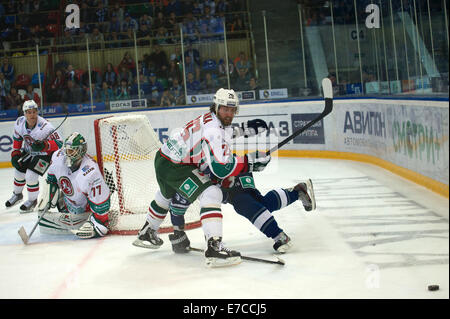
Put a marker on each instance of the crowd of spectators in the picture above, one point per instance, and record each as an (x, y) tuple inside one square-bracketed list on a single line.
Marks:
[(318, 12), (25, 23), (111, 24), (161, 79)]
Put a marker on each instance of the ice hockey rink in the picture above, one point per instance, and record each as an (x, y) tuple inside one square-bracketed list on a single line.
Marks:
[(374, 235)]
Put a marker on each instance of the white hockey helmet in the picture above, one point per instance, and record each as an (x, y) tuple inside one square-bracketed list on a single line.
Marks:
[(29, 105), (226, 98)]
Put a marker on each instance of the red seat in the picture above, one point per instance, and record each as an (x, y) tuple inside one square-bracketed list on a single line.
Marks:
[(78, 74), (22, 81)]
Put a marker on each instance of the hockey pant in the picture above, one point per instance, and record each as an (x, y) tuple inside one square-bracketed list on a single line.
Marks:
[(29, 174)]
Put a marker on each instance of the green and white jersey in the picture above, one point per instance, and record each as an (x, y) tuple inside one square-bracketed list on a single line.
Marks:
[(81, 188), (204, 142)]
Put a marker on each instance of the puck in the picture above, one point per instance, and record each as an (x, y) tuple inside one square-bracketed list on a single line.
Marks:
[(433, 287)]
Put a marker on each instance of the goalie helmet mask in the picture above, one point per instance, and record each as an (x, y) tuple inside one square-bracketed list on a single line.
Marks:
[(75, 147), (226, 98), (29, 105)]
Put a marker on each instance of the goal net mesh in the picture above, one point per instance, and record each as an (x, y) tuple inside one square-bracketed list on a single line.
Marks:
[(126, 148)]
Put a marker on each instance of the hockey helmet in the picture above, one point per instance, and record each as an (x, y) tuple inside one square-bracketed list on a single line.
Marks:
[(29, 105), (75, 147), (226, 98)]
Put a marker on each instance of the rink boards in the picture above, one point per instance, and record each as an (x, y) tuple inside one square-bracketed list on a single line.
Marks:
[(408, 137)]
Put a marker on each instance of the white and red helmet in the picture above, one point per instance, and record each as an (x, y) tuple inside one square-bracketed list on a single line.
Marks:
[(226, 98), (29, 105)]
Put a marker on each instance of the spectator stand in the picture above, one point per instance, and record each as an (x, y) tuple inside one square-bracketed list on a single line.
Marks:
[(107, 45)]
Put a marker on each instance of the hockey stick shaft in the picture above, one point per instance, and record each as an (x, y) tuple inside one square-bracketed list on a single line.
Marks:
[(328, 93), (23, 233), (278, 262)]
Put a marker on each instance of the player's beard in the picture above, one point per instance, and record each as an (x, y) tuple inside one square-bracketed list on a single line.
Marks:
[(225, 120)]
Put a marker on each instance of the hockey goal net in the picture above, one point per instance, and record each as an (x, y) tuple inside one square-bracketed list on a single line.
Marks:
[(126, 148)]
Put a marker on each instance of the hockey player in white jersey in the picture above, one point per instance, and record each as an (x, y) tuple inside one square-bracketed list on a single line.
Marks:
[(203, 142), (35, 139), (83, 198)]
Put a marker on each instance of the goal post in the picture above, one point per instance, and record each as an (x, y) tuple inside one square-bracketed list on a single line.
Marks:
[(126, 146)]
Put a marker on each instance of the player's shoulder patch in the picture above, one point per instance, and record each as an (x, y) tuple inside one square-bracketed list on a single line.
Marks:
[(42, 123), (86, 169)]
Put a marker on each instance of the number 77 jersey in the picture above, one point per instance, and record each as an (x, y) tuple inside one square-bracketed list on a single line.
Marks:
[(83, 190), (205, 143)]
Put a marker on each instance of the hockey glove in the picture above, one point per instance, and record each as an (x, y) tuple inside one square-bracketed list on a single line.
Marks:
[(15, 156), (180, 242), (257, 126), (40, 146), (257, 161), (251, 128)]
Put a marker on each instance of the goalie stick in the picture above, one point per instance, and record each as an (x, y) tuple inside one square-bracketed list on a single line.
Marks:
[(27, 155), (23, 233), (328, 95), (279, 261)]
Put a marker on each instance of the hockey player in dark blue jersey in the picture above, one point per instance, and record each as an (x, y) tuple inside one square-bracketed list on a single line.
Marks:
[(248, 201)]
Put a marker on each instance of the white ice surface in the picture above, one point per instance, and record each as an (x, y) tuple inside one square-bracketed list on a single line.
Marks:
[(373, 235)]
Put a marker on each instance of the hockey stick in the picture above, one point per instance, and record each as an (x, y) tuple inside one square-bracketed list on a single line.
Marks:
[(278, 262), (27, 155), (328, 94), (23, 233)]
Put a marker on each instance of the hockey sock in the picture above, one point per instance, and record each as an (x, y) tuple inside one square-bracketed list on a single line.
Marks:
[(156, 215), (32, 179), (33, 191), (266, 223), (19, 182), (18, 186), (177, 221), (279, 198), (211, 218), (177, 208)]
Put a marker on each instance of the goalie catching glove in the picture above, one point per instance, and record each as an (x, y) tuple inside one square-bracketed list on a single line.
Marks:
[(257, 161), (250, 128)]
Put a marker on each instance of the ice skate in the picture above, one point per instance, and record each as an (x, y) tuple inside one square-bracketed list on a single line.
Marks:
[(15, 198), (306, 195), (282, 243), (28, 206), (148, 238), (219, 256)]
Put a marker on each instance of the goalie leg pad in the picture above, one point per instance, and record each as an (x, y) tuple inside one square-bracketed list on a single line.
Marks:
[(56, 223), (48, 194)]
